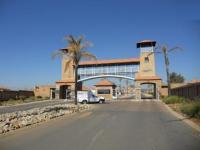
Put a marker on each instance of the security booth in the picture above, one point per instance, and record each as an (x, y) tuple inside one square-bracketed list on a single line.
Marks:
[(106, 89)]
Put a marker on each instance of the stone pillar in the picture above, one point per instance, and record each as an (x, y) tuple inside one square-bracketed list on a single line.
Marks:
[(57, 92), (137, 91), (158, 93), (51, 94)]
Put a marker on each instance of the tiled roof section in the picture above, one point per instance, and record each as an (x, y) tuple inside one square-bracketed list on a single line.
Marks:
[(44, 86), (194, 81), (87, 88), (104, 82), (176, 85), (138, 78), (146, 41), (187, 84), (111, 61), (4, 89), (66, 81)]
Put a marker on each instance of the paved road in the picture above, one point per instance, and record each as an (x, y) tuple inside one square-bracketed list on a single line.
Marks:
[(26, 106), (112, 126)]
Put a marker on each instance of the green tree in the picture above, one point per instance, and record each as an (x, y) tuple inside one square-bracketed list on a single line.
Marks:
[(176, 78), (74, 52)]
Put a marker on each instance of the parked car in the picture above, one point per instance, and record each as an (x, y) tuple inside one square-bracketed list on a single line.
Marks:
[(85, 97)]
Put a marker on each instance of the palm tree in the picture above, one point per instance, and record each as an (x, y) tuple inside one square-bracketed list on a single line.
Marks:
[(74, 52), (165, 50)]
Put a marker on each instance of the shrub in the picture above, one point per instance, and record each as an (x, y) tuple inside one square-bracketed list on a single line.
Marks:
[(22, 97), (11, 99), (162, 97), (192, 109), (30, 98), (46, 97), (173, 100), (39, 97)]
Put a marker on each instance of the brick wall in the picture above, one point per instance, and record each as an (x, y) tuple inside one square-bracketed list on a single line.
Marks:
[(190, 91), (6, 95)]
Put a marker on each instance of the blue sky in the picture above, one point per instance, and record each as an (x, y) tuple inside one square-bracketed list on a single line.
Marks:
[(30, 31)]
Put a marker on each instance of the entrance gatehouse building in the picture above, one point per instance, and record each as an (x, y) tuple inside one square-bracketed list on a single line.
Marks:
[(141, 70)]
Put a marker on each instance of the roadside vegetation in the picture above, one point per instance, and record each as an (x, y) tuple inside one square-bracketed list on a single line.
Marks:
[(22, 100), (174, 100), (190, 108)]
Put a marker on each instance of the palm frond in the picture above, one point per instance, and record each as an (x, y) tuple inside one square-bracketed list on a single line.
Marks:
[(64, 50), (158, 52), (84, 46), (150, 54), (70, 39), (75, 50), (164, 48), (88, 55), (80, 39), (175, 48), (158, 48), (60, 53)]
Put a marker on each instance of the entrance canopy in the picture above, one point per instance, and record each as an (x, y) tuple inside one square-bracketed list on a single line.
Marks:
[(119, 68), (103, 76)]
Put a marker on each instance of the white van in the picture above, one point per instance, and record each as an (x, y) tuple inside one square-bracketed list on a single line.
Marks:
[(88, 97)]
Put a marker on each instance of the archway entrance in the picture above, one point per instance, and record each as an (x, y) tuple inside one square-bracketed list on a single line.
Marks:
[(63, 91), (122, 88), (148, 91)]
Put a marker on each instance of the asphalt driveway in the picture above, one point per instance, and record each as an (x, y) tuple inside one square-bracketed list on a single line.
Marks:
[(126, 125)]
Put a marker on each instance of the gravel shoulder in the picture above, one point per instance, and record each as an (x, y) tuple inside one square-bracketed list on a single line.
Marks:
[(26, 106)]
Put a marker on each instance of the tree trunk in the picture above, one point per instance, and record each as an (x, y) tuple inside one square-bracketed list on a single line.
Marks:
[(76, 85), (167, 71)]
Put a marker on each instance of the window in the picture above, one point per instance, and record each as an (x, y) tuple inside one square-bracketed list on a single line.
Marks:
[(121, 68), (103, 91), (81, 70), (112, 69), (89, 70), (146, 59)]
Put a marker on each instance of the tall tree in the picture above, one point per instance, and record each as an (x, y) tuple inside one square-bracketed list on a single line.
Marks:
[(165, 51), (74, 52), (176, 78)]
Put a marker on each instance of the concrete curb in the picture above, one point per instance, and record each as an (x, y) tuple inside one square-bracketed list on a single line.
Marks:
[(134, 100), (179, 116)]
